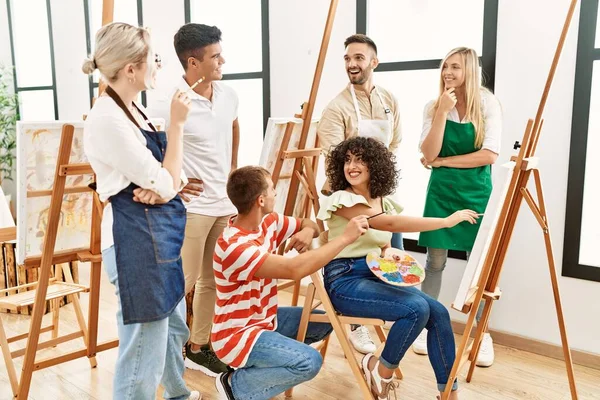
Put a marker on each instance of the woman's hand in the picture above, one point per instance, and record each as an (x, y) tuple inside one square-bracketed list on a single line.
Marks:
[(180, 107), (146, 196), (384, 249), (460, 216), (447, 101), (433, 164)]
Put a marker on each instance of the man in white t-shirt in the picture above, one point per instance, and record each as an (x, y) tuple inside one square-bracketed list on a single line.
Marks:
[(210, 148)]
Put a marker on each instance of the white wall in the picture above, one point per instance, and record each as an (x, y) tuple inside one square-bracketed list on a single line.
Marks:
[(526, 44)]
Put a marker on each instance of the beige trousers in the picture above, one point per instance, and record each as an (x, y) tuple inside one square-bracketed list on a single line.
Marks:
[(201, 234)]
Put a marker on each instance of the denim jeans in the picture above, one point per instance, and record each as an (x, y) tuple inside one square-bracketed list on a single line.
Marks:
[(434, 268), (278, 361), (355, 291), (397, 241), (149, 352)]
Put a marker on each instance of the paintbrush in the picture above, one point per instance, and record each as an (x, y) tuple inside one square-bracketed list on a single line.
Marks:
[(373, 216), (194, 85)]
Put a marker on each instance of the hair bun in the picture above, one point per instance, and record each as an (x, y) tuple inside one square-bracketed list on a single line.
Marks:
[(89, 66)]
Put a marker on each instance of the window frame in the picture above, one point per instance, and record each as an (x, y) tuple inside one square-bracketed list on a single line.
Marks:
[(88, 42), (265, 74), (587, 53), (19, 89), (488, 66)]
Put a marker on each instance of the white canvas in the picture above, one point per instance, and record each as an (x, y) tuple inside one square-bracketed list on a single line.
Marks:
[(470, 278), (270, 150)]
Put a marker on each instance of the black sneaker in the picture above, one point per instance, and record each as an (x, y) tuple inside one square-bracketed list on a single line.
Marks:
[(223, 386), (205, 360)]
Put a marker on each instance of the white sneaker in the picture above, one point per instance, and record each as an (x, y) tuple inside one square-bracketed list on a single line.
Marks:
[(195, 395), (420, 344), (485, 358), (361, 340)]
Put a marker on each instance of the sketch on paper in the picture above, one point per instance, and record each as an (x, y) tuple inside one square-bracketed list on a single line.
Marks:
[(37, 148), (270, 151), (470, 279)]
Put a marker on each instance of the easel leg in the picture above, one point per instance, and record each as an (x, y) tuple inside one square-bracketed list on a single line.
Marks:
[(79, 314), (8, 361), (55, 304), (555, 288), (482, 326), (464, 344)]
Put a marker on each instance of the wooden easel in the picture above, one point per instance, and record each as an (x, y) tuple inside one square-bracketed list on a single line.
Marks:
[(44, 286), (306, 159), (526, 164)]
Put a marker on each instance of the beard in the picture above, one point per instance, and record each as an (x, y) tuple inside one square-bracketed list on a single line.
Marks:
[(359, 78)]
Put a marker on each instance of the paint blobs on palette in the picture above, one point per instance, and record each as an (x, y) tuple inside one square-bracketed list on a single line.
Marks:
[(396, 268)]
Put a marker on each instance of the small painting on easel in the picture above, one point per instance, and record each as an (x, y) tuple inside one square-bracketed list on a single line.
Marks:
[(38, 145), (270, 151)]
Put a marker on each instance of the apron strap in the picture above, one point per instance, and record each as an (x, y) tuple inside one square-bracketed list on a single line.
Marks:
[(113, 95), (358, 117)]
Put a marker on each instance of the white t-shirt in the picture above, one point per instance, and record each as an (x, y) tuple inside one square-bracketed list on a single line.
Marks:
[(117, 152), (492, 114), (207, 145)]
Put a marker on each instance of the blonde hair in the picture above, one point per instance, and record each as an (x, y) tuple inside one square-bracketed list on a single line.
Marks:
[(117, 44), (474, 112)]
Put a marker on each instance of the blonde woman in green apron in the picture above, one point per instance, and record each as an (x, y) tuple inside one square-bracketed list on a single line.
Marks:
[(460, 142)]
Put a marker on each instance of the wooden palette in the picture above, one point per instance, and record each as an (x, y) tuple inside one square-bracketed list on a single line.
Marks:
[(397, 268)]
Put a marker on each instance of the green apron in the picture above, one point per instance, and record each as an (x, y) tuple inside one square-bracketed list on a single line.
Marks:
[(453, 189)]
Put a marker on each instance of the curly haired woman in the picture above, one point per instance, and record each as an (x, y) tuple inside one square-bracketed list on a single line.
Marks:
[(362, 173)]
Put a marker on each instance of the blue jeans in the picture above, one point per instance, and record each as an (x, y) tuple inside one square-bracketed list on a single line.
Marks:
[(397, 241), (355, 291), (149, 352), (278, 361), (434, 268)]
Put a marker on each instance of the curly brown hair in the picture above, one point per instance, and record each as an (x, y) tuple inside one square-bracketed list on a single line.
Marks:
[(380, 162)]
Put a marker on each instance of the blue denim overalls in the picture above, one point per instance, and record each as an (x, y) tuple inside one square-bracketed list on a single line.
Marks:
[(147, 241)]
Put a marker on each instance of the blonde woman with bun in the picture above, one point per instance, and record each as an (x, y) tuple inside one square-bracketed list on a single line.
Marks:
[(460, 141), (138, 170)]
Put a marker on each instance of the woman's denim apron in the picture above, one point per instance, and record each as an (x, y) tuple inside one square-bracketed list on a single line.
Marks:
[(147, 241)]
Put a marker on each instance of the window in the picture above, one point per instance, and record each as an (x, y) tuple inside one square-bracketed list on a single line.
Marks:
[(409, 69), (245, 33), (34, 77), (128, 11), (582, 224)]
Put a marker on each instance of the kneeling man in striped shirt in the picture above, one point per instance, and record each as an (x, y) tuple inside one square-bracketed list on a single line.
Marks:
[(249, 332)]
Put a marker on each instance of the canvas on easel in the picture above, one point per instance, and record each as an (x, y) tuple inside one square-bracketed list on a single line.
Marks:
[(66, 180), (526, 164), (38, 144), (468, 285), (270, 153)]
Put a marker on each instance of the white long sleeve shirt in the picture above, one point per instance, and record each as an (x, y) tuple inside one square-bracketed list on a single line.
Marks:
[(116, 150)]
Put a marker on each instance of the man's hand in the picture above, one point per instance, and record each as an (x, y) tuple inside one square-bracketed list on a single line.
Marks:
[(301, 240), (146, 196), (194, 188), (356, 227)]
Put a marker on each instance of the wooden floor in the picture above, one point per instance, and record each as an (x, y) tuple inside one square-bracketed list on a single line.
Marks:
[(514, 375)]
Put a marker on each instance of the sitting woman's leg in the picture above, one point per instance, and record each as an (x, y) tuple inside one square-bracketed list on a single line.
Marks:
[(355, 291)]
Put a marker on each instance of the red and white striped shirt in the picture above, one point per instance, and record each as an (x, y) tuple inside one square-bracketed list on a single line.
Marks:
[(246, 305)]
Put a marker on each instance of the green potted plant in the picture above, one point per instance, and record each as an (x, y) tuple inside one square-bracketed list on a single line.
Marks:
[(8, 123)]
